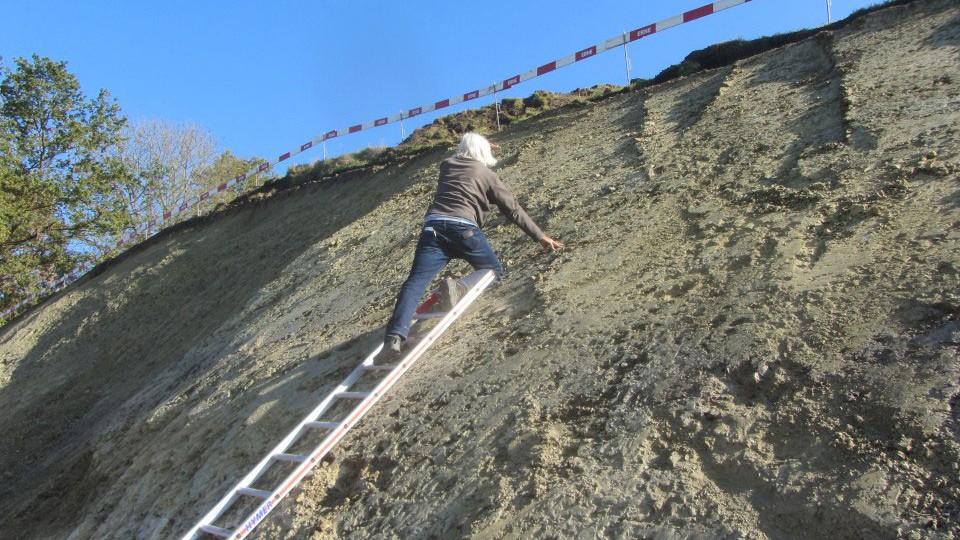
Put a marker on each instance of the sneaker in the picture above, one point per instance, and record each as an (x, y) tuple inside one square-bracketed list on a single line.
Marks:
[(391, 351), (451, 291)]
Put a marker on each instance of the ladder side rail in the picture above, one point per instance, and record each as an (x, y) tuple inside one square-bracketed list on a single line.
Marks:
[(256, 517), (267, 460)]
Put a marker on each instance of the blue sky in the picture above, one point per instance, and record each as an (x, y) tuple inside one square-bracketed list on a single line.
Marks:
[(266, 77)]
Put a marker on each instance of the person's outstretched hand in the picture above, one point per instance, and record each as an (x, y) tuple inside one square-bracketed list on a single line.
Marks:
[(550, 244)]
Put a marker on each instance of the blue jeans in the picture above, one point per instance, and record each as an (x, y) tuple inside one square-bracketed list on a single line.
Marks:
[(440, 241)]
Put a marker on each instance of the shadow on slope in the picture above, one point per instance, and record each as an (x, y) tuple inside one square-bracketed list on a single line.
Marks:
[(132, 325)]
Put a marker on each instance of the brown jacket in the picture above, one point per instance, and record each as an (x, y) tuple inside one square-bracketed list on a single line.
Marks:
[(467, 188)]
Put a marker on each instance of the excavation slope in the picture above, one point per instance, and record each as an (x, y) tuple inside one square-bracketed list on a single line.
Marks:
[(753, 331)]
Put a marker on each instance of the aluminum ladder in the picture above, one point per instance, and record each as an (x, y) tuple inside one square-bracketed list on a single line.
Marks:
[(334, 430)]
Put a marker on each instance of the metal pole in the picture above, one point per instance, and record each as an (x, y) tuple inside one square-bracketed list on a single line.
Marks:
[(496, 105), (829, 17), (403, 132), (626, 57)]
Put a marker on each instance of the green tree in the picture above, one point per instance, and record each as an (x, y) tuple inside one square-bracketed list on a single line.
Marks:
[(58, 168)]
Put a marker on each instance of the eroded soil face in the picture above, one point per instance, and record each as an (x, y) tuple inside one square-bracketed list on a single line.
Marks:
[(753, 331)]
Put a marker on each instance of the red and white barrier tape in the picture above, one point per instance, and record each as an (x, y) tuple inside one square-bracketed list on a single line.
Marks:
[(589, 52)]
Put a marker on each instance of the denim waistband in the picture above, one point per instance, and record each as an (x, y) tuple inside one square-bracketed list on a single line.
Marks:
[(438, 217)]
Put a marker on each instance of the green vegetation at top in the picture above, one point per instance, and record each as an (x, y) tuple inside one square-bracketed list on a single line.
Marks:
[(446, 131)]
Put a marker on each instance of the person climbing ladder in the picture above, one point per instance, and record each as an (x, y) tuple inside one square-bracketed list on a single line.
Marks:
[(452, 230)]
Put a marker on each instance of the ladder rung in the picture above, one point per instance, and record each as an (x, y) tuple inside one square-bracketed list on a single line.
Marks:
[(263, 494), (323, 425), (219, 531), (353, 395), (380, 367), (289, 457), (434, 315)]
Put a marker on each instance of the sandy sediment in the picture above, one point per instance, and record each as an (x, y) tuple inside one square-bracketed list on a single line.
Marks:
[(752, 334)]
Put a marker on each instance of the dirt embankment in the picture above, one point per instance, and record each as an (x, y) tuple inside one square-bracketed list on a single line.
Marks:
[(752, 334)]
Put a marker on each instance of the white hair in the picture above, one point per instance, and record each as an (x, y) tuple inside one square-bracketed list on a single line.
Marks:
[(474, 146)]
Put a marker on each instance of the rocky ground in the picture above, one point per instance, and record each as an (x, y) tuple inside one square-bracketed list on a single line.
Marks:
[(753, 332)]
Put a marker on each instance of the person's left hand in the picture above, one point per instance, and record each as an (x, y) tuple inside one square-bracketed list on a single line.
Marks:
[(550, 244)]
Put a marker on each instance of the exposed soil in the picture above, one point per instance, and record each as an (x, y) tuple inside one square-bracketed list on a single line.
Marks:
[(753, 332)]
